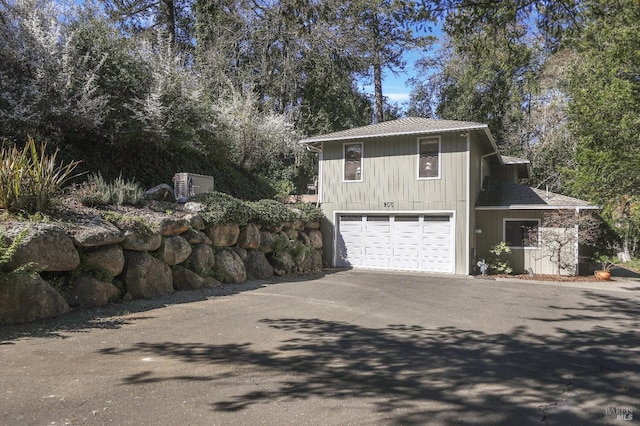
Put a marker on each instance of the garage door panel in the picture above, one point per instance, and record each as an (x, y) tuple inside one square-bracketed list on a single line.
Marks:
[(378, 227), (433, 230), (376, 251), (378, 240), (378, 262), (410, 251), (407, 242), (407, 264), (436, 253)]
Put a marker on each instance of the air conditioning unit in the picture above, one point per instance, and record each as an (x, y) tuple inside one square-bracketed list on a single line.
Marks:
[(186, 185)]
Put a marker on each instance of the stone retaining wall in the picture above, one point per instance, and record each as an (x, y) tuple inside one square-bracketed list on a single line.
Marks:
[(97, 262)]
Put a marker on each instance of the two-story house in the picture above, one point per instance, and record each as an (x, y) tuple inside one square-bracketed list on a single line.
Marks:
[(428, 195)]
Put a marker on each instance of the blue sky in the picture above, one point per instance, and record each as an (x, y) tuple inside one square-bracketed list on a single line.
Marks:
[(395, 86)]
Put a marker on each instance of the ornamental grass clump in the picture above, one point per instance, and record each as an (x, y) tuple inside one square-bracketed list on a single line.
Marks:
[(29, 178), (97, 192)]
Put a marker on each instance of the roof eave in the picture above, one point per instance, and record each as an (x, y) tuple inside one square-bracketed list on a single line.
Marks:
[(537, 207), (412, 132)]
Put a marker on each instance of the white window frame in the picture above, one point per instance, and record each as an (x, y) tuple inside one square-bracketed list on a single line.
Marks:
[(522, 219), (344, 161), (433, 138)]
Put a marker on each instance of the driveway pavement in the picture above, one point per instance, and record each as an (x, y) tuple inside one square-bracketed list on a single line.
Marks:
[(346, 347)]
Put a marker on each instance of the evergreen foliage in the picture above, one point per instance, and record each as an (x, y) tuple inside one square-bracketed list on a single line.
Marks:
[(222, 208), (605, 115)]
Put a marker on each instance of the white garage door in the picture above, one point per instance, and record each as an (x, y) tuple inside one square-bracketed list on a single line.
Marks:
[(408, 242)]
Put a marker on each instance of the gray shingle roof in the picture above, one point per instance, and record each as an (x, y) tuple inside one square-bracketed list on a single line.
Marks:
[(403, 126), (503, 195), (513, 160)]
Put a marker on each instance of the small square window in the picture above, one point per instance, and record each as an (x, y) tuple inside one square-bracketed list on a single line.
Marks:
[(353, 161), (429, 158), (521, 233)]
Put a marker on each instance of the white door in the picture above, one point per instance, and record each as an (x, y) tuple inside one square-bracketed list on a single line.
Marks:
[(419, 242)]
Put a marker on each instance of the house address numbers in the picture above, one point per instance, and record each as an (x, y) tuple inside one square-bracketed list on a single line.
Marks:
[(389, 204)]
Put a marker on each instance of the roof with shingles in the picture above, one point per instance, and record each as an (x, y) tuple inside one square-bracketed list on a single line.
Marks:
[(403, 126), (504, 195), (514, 160)]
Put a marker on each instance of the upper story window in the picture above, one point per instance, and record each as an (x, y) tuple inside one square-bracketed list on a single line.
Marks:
[(353, 161), (521, 233), (429, 158)]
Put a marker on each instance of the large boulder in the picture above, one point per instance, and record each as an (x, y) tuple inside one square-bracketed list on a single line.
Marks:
[(313, 225), (298, 225), (202, 258), (283, 263), (96, 232), (257, 266), (184, 279), (196, 221), (174, 250), (88, 291), (141, 240), (162, 192), (312, 261), (223, 235), (266, 241), (196, 237), (169, 225), (316, 239), (291, 233), (108, 259), (26, 298), (316, 260), (230, 266), (145, 276), (46, 246), (240, 252), (304, 238), (249, 237)]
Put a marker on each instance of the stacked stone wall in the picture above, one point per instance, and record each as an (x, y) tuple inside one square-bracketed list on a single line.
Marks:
[(101, 262)]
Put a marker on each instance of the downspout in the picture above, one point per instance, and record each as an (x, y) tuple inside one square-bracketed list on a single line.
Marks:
[(482, 167), (318, 151), (469, 211), (577, 241)]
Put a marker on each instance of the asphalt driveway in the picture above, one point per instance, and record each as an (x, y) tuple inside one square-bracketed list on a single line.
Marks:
[(346, 347)]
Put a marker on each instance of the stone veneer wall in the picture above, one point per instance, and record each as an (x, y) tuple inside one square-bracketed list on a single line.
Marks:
[(183, 253)]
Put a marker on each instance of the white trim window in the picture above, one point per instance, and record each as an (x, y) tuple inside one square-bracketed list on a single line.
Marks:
[(352, 155), (521, 233), (429, 158)]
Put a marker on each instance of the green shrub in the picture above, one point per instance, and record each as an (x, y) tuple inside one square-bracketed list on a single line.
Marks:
[(271, 213), (497, 264), (223, 208), (29, 179), (296, 249), (308, 212), (283, 189)]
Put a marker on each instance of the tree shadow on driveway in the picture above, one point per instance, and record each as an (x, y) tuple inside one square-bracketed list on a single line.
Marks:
[(412, 374)]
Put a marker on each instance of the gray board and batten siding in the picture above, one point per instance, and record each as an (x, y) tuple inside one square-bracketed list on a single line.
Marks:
[(390, 183)]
